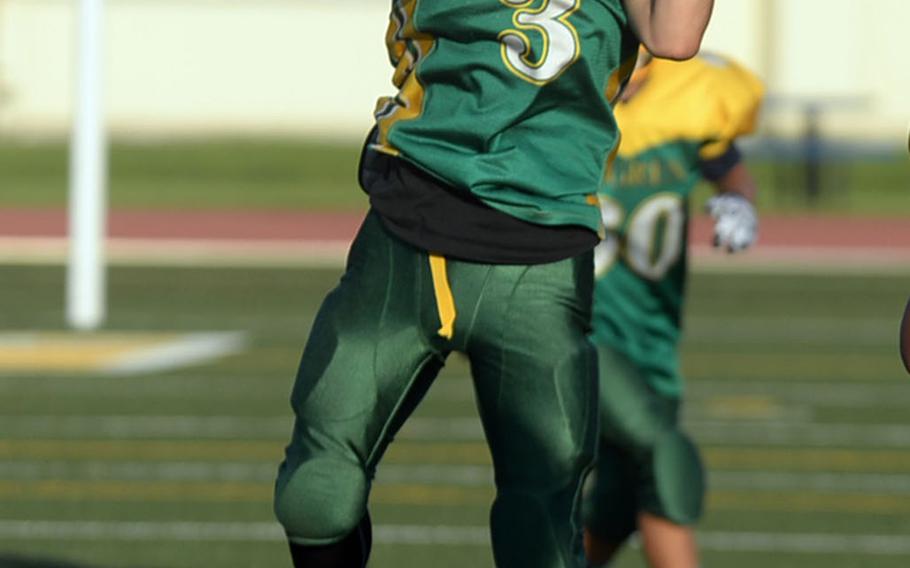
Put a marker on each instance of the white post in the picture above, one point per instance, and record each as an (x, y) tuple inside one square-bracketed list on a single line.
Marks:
[(85, 283)]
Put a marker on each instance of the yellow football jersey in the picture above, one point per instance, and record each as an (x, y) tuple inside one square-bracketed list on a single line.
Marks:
[(708, 99), (682, 115)]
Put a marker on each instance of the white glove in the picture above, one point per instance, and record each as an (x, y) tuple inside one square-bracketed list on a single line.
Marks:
[(735, 221)]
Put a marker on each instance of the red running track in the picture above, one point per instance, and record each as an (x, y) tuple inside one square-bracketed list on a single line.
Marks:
[(778, 231)]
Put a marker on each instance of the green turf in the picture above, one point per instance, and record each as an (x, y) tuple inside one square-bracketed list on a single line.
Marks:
[(232, 173), (297, 174), (814, 355)]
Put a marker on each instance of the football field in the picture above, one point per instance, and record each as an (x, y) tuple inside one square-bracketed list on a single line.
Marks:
[(795, 392)]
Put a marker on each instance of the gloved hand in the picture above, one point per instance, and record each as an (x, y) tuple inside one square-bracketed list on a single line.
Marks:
[(735, 221)]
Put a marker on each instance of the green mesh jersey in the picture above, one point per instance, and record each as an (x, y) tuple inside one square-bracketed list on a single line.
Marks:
[(683, 114), (509, 99)]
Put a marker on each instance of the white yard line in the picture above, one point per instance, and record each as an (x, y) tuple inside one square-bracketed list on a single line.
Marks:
[(188, 349), (440, 535)]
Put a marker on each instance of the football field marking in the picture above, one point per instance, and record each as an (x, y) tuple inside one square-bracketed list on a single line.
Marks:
[(438, 535), (188, 349), (112, 353)]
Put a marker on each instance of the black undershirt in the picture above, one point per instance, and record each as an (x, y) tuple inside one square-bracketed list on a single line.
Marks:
[(434, 216)]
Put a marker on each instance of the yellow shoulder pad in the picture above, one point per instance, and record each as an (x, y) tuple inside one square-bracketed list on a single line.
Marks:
[(707, 99)]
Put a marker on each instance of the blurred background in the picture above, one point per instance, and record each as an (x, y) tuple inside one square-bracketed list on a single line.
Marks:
[(235, 128)]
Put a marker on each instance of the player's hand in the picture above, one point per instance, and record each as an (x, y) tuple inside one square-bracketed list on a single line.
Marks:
[(735, 221)]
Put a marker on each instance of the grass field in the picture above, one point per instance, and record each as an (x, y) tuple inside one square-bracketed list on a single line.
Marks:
[(290, 173), (795, 392)]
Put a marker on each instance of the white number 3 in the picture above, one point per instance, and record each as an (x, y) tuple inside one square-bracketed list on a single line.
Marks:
[(560, 39)]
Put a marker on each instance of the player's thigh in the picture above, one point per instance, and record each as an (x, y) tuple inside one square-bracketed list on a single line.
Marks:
[(534, 371), (371, 335), (642, 427), (368, 361), (632, 414)]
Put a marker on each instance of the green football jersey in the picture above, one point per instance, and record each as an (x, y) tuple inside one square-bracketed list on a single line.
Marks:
[(641, 264), (683, 114), (509, 100)]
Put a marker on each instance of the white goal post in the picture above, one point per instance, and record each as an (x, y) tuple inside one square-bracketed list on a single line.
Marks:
[(85, 278)]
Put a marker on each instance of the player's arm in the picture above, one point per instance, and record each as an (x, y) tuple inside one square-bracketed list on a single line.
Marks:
[(671, 29), (737, 180), (732, 207)]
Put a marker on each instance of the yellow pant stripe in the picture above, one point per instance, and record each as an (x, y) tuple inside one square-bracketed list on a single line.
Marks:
[(445, 303)]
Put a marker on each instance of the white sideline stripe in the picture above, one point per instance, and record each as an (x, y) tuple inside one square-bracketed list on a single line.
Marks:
[(331, 253), (809, 543), (189, 349), (209, 253)]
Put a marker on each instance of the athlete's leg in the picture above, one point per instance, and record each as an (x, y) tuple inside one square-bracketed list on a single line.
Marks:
[(610, 508), (369, 359), (667, 544), (351, 551), (534, 375), (660, 468)]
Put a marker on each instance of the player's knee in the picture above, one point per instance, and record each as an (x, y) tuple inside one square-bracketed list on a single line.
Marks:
[(679, 478), (322, 500), (565, 466)]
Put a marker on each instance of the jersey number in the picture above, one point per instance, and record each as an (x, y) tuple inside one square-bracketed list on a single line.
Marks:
[(560, 39), (654, 235)]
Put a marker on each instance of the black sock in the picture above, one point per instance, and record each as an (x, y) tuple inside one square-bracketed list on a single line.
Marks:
[(352, 551)]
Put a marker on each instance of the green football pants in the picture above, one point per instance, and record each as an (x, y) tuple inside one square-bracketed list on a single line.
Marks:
[(645, 462), (378, 342)]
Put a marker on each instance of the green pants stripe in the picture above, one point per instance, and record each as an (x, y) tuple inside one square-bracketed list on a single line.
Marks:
[(375, 349)]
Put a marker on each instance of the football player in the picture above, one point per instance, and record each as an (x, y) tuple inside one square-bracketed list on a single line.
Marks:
[(482, 173), (679, 122)]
